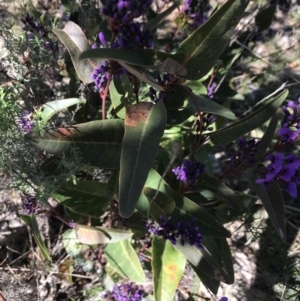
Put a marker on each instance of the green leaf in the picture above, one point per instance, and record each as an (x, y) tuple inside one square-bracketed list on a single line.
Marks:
[(204, 261), (123, 258), (204, 46), (143, 75), (121, 94), (230, 133), (168, 268), (197, 103), (197, 87), (149, 58), (194, 105), (75, 41), (220, 251), (265, 17), (86, 197), (155, 22), (187, 210), (31, 221), (100, 235), (161, 200), (72, 244), (144, 127), (98, 142), (210, 283), (49, 109), (208, 182), (272, 201), (267, 137)]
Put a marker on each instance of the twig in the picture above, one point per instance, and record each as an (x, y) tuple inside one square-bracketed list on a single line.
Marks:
[(42, 272)]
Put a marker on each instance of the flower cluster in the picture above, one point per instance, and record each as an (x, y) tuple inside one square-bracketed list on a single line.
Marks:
[(30, 204), (196, 12), (132, 36), (246, 151), (290, 126), (125, 10), (26, 122), (282, 169), (185, 232), (189, 171), (205, 122), (211, 90), (125, 292), (31, 25), (164, 81)]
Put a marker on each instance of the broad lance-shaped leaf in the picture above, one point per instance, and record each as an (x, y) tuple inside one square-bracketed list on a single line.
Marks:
[(207, 182), (100, 235), (49, 109), (75, 41), (185, 209), (197, 103), (98, 142), (272, 201), (204, 261), (168, 267), (230, 133), (194, 104), (144, 127), (123, 258), (150, 58), (220, 251), (121, 94), (204, 46), (86, 197), (31, 221)]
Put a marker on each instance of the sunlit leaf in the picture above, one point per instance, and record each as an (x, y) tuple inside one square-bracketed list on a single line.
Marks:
[(168, 267), (121, 94), (49, 109), (75, 41), (100, 235), (31, 221), (123, 258)]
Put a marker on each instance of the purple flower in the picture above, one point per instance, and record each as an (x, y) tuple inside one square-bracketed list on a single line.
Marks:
[(126, 292), (132, 36), (30, 204), (211, 89), (26, 122), (224, 299), (196, 12), (184, 232), (189, 171), (246, 151), (290, 125), (100, 76), (284, 170), (31, 25), (125, 10)]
